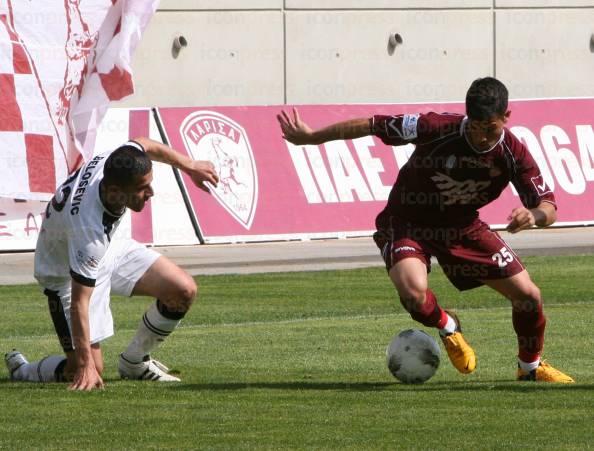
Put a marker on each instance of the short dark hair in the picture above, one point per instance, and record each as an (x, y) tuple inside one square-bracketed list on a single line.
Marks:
[(486, 97), (124, 164)]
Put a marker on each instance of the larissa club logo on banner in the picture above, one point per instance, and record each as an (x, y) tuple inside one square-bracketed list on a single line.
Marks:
[(212, 136)]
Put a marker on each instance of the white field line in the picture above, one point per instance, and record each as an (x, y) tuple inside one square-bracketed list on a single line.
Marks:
[(304, 320)]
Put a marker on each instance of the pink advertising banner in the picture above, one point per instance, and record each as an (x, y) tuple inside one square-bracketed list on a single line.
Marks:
[(271, 189)]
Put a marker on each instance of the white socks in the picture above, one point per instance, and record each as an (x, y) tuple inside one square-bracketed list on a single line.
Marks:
[(449, 328), (41, 371), (529, 366), (153, 329)]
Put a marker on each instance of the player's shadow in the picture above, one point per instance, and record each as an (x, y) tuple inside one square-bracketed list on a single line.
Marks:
[(507, 386), (298, 385), (452, 386)]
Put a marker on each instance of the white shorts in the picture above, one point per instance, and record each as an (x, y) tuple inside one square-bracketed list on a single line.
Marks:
[(122, 266)]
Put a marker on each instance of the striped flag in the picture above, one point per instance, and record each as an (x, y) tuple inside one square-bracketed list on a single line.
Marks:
[(61, 63)]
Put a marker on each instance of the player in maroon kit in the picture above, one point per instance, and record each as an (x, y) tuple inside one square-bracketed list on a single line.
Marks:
[(460, 164)]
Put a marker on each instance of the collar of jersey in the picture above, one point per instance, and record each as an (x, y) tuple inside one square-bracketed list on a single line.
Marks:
[(463, 132)]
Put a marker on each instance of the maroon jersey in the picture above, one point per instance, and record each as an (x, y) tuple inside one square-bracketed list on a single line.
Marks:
[(446, 181)]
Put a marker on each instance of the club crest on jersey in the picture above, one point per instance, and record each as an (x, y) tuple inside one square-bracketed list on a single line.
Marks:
[(212, 136), (460, 192)]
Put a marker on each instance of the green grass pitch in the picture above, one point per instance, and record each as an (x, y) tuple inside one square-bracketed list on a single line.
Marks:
[(297, 361)]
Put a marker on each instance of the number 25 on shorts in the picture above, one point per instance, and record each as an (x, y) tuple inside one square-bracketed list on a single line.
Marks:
[(503, 257)]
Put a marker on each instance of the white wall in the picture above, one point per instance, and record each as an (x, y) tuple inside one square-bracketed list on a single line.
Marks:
[(246, 52)]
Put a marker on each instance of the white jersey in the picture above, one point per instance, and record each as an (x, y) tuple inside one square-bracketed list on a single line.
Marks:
[(77, 229)]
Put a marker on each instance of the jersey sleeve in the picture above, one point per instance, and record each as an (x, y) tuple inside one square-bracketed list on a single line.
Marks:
[(413, 128), (86, 249), (135, 144), (527, 179)]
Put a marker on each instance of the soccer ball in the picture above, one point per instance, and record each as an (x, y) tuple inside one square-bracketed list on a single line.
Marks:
[(413, 356)]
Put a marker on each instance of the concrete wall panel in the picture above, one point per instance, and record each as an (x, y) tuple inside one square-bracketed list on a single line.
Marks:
[(231, 58), (387, 4), (196, 5), (541, 3), (546, 53), (344, 56), (313, 51)]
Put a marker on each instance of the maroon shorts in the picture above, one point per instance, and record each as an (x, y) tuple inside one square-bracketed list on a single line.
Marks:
[(467, 256)]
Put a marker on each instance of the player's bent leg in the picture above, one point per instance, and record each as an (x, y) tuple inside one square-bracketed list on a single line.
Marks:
[(47, 369), (529, 324), (175, 291), (166, 281), (527, 314), (53, 368), (409, 276)]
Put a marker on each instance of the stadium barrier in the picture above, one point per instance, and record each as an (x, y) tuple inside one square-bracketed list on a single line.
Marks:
[(272, 190)]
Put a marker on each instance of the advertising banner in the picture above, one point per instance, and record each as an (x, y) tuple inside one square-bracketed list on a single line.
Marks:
[(270, 189)]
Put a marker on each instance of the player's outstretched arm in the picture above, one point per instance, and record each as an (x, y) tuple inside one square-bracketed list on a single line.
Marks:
[(298, 132), (199, 171), (522, 218), (86, 376)]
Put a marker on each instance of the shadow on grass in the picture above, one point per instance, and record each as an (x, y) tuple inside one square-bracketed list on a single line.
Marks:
[(391, 386), (452, 386)]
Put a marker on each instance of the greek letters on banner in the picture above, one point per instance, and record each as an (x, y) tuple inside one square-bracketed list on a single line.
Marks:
[(271, 189), (61, 62)]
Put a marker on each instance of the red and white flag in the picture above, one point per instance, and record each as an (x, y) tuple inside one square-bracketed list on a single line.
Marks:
[(61, 63)]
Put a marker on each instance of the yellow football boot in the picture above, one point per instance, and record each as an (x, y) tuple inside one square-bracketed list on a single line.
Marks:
[(459, 351), (544, 373)]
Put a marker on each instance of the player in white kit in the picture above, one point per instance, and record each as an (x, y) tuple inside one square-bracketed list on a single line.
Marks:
[(79, 263)]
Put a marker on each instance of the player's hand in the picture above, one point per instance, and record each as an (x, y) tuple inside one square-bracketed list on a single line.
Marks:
[(520, 219), (203, 173), (294, 129), (86, 378)]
